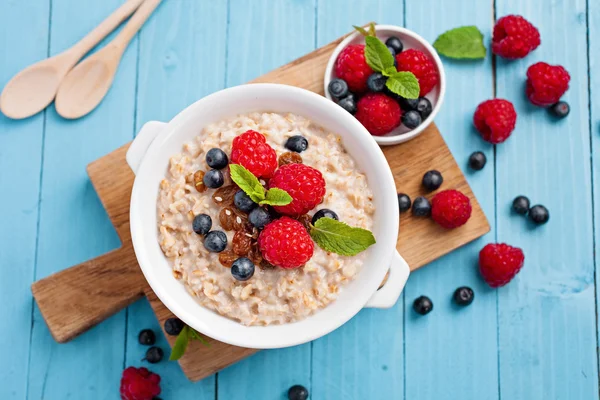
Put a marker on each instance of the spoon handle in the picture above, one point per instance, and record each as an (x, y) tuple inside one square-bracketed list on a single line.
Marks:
[(135, 23)]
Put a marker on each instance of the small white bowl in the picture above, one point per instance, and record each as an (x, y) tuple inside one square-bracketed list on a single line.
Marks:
[(410, 40)]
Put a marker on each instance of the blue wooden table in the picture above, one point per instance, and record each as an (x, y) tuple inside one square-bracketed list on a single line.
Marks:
[(536, 338)]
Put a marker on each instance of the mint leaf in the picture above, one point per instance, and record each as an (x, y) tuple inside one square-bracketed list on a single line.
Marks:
[(465, 42), (247, 182), (276, 197), (389, 71), (404, 84), (377, 54), (181, 344), (196, 336), (340, 238)]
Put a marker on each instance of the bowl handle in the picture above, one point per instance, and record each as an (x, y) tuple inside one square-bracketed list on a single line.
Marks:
[(387, 295), (143, 140)]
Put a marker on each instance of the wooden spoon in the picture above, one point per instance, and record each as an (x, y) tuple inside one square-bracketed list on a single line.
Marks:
[(32, 89), (87, 84)]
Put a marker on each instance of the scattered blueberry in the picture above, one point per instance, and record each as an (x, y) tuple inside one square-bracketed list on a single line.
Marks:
[(296, 143), (298, 392), (243, 202), (242, 269), (338, 88), (520, 205), (215, 241), (411, 119), (477, 160), (216, 158), (392, 51), (423, 305), (259, 217), (324, 213), (202, 224), (348, 103), (407, 104), (376, 82), (560, 109), (463, 296), (432, 180), (213, 179), (539, 214), (404, 202), (173, 326), (421, 207), (147, 337), (154, 355), (395, 44), (424, 107)]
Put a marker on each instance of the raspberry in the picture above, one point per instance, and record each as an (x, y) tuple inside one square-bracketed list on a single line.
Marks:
[(495, 120), (352, 67), (514, 37), (251, 151), (378, 113), (546, 83), (305, 184), (450, 209), (421, 66), (285, 243), (499, 263), (139, 384)]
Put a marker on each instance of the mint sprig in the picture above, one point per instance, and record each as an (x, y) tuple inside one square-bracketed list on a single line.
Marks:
[(377, 55), (186, 335), (253, 188), (404, 84), (465, 42), (340, 238), (364, 32)]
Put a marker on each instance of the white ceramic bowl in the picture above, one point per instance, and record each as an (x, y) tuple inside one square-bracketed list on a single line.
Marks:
[(149, 155), (411, 41)]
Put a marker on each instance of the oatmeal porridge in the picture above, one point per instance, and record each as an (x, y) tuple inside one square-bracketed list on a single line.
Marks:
[(272, 295)]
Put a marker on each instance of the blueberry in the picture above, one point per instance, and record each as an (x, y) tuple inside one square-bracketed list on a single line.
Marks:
[(243, 202), (411, 119), (215, 241), (520, 205), (296, 143), (463, 296), (202, 224), (216, 158), (376, 82), (392, 51), (173, 326), (242, 269), (213, 179), (338, 88), (477, 160), (560, 109), (407, 104), (404, 202), (421, 207), (297, 392), (539, 214), (348, 103), (259, 217), (424, 107), (423, 305), (147, 337), (432, 180), (395, 44), (154, 355), (324, 213)]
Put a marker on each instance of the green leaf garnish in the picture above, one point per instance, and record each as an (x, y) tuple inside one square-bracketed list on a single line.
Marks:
[(276, 197), (183, 339), (389, 71), (337, 237), (377, 54), (364, 32), (404, 84), (465, 42), (247, 182)]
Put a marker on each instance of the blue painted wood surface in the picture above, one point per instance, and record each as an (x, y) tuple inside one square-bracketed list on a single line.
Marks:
[(536, 338)]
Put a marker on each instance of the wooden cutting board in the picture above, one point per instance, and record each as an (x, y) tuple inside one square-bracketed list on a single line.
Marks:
[(77, 298)]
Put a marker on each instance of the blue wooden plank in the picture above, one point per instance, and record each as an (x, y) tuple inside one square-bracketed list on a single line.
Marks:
[(547, 323), (20, 163)]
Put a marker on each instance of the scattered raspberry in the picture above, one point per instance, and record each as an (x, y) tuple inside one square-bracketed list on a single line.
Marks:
[(139, 384), (378, 113), (450, 209), (251, 151), (495, 120), (305, 184), (421, 66), (499, 263), (352, 67), (546, 83), (285, 243), (514, 37)]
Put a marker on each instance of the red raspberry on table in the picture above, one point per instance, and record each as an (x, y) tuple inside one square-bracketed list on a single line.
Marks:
[(139, 384), (450, 209), (305, 184), (495, 120), (499, 263), (546, 83), (286, 243), (251, 151), (378, 113), (352, 67), (421, 66), (514, 37)]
